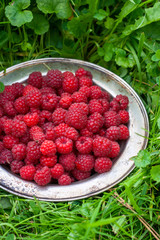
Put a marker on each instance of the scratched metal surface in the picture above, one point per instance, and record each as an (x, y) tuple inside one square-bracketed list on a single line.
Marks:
[(123, 165)]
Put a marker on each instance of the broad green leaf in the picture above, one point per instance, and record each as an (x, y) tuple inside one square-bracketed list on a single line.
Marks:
[(122, 60), (16, 14), (5, 203), (109, 49), (109, 23), (100, 15), (2, 87), (155, 173), (60, 7), (143, 159), (3, 38), (100, 52), (152, 31), (151, 15), (10, 237), (39, 24)]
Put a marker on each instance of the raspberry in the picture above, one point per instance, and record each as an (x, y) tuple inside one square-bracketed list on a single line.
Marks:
[(9, 109), (48, 161), (35, 79), (6, 156), (83, 106), (38, 137), (65, 94), (79, 175), (113, 133), (19, 117), (20, 105), (64, 180), (33, 98), (105, 104), (45, 116), (34, 130), (6, 125), (67, 74), (35, 110), (33, 151), (44, 81), (124, 132), (65, 102), (27, 172), (84, 145), (96, 92), (115, 150), (64, 145), (76, 118), (124, 115), (48, 148), (10, 90), (70, 84), (101, 146), (105, 95), (1, 147), (80, 72), (95, 106), (85, 81), (9, 141), (85, 132), (114, 105), (16, 166), (47, 125), (27, 89), (50, 134), (123, 101), (79, 97), (18, 89), (86, 90), (19, 128), (102, 165), (84, 162), (102, 132), (19, 151), (1, 112), (25, 138), (46, 90), (89, 74), (31, 119), (49, 101), (55, 78), (95, 122), (111, 119), (58, 116), (3, 120), (68, 161), (57, 171), (66, 131)]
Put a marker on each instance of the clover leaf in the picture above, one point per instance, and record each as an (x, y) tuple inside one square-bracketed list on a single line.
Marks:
[(17, 14), (143, 159)]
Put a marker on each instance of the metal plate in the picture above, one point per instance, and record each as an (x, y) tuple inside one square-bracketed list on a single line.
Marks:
[(122, 166)]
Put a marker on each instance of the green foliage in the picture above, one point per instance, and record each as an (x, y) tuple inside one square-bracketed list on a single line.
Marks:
[(143, 159), (155, 173), (39, 24)]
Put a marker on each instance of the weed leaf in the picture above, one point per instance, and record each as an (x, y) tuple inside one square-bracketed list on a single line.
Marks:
[(39, 24), (143, 159), (155, 173), (122, 60)]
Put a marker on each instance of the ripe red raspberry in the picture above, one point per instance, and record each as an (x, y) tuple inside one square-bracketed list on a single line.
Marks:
[(96, 92), (101, 146), (64, 180), (76, 118), (64, 145), (57, 171), (102, 164), (44, 81), (124, 115), (95, 122), (67, 74), (28, 172), (48, 161), (111, 119), (27, 89), (1, 112), (95, 106), (85, 132), (33, 98), (6, 125), (70, 84), (123, 101), (84, 145), (6, 157), (33, 151), (115, 150), (105, 104), (114, 105), (42, 176), (80, 72), (79, 97), (46, 90), (85, 162), (66, 131), (65, 102), (44, 116), (85, 81), (19, 128), (16, 166), (3, 120), (124, 132), (113, 133), (35, 79), (102, 132), (35, 110), (38, 137), (47, 125), (49, 101), (48, 148), (105, 95), (9, 109), (31, 119), (10, 89), (18, 89), (25, 138), (1, 147), (34, 130), (55, 78), (58, 116), (9, 141), (79, 175), (50, 133), (19, 151), (68, 161), (19, 117), (29, 162), (86, 90), (82, 106), (20, 105)]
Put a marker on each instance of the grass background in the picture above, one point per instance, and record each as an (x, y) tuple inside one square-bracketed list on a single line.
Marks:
[(122, 36)]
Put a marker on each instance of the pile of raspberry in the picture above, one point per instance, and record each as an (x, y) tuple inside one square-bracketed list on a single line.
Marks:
[(60, 128)]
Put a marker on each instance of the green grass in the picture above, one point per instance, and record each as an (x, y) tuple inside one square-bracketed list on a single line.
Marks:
[(97, 32)]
